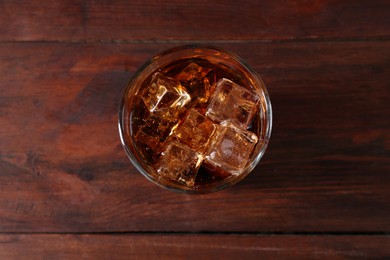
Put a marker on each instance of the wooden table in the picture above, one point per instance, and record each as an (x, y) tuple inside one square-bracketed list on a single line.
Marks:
[(67, 189)]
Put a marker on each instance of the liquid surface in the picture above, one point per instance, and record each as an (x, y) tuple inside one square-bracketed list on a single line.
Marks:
[(196, 123)]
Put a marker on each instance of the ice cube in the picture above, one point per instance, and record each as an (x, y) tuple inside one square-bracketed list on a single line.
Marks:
[(179, 163), (198, 81), (231, 148), (195, 130), (164, 93), (231, 101), (156, 129)]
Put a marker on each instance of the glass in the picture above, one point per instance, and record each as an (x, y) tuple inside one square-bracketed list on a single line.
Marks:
[(195, 119)]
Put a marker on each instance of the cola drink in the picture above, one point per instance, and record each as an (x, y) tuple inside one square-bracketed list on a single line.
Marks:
[(195, 121)]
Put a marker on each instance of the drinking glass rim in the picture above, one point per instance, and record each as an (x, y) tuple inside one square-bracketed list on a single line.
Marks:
[(204, 188)]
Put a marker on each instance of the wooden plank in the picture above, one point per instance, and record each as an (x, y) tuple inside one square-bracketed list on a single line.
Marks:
[(193, 20), (62, 168), (192, 247)]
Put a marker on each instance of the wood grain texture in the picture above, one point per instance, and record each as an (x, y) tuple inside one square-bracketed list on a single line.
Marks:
[(192, 247), (62, 168), (82, 20)]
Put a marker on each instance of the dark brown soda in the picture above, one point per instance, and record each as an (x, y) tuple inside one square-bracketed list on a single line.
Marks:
[(205, 175)]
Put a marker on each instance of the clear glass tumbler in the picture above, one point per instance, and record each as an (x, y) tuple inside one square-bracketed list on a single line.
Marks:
[(195, 119)]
